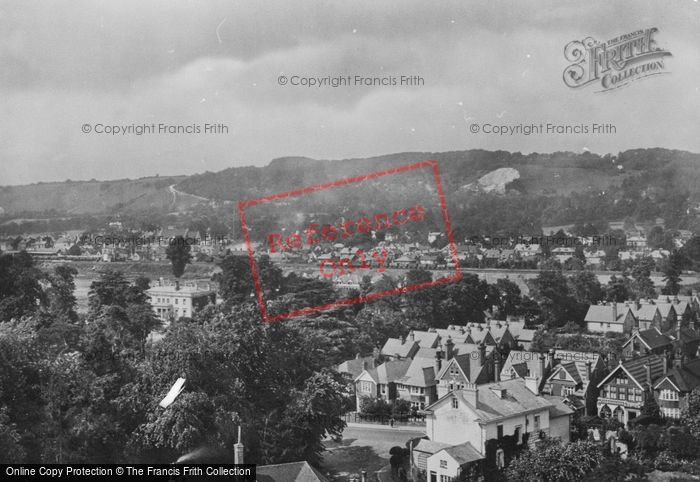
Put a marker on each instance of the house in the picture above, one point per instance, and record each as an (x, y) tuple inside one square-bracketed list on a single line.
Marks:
[(645, 342), (647, 315), (595, 258), (604, 318), (575, 376), (682, 305), (354, 367), (475, 419), (623, 391), (471, 366), (417, 386), (172, 301), (563, 254), (380, 382), (672, 389), (638, 241), (455, 462)]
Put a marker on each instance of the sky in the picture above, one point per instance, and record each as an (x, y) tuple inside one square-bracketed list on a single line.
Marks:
[(70, 63)]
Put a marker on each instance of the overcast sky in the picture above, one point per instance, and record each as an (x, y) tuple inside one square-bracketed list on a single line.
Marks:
[(68, 63)]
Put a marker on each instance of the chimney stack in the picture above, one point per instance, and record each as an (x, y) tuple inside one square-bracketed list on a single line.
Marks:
[(363, 476), (449, 347), (614, 310), (665, 360), (647, 368), (438, 363), (588, 370), (482, 354), (238, 449), (471, 394), (541, 367), (551, 359), (412, 336), (497, 368)]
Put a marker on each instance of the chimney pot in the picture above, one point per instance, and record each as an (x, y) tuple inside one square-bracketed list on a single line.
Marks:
[(238, 449)]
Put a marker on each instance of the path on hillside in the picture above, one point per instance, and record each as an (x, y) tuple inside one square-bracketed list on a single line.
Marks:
[(177, 193)]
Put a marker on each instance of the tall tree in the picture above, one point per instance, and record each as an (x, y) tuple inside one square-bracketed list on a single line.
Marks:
[(178, 252), (672, 274), (642, 285)]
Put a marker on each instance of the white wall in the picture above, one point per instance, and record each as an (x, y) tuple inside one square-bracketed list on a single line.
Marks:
[(451, 470)]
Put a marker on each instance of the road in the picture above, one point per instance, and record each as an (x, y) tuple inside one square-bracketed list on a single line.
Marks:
[(364, 448), (177, 193)]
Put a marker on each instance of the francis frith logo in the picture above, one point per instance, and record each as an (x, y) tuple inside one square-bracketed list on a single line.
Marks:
[(615, 63)]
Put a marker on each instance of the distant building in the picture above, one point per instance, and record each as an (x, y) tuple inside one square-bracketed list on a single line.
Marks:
[(604, 318), (172, 301), (380, 382)]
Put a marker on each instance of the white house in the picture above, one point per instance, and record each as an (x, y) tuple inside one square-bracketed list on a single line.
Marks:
[(468, 418)]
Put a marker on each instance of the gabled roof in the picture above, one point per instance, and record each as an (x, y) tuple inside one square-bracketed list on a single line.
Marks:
[(636, 371), (652, 338), (355, 366), (604, 314), (524, 363), (467, 364), (665, 309), (426, 339), (645, 312), (430, 446), (490, 406), (290, 472), (394, 346), (685, 378), (388, 372), (420, 373), (392, 370), (519, 332), (561, 406), (463, 453)]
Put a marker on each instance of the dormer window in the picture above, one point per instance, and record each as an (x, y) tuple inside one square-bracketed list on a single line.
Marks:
[(455, 403)]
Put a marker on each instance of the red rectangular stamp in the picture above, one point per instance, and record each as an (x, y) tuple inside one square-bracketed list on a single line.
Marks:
[(361, 240)]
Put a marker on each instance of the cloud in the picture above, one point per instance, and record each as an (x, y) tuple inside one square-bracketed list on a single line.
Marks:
[(179, 62)]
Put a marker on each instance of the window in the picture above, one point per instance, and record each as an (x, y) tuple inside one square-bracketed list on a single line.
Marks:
[(537, 423), (443, 464), (499, 432), (668, 394), (637, 395), (568, 390), (366, 387), (455, 403), (176, 300), (671, 412), (562, 375), (518, 434), (445, 478)]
